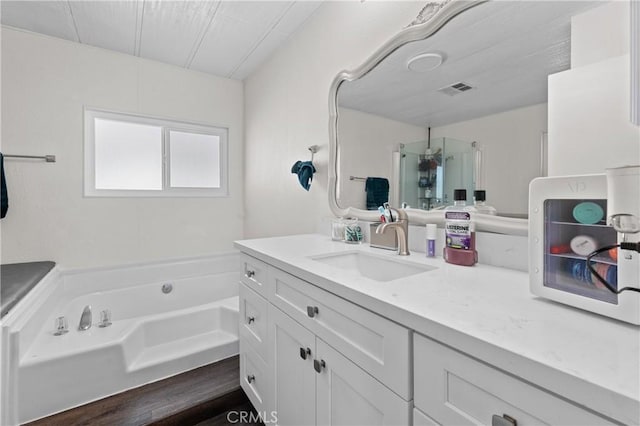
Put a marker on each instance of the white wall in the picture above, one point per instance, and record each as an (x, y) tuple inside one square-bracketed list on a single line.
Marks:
[(589, 122), (589, 105), (286, 110), (366, 144), (45, 84), (511, 144), (600, 33)]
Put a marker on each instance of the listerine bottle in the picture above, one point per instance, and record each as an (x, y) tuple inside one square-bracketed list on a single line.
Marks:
[(460, 236)]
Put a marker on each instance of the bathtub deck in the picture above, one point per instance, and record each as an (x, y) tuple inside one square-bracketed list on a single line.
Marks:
[(18, 279), (186, 399)]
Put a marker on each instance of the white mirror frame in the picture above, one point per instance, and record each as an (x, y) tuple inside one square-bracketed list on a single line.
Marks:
[(635, 62), (430, 19)]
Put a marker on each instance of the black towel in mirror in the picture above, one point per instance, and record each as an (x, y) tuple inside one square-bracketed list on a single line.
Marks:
[(377, 192)]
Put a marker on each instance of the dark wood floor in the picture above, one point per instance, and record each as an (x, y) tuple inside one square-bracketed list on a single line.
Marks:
[(202, 397)]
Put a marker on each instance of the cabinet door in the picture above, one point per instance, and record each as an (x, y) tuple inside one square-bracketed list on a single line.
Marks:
[(294, 383), (347, 395), (378, 345)]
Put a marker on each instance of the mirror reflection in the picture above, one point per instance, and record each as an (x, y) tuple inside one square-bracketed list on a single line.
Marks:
[(463, 108), (430, 170)]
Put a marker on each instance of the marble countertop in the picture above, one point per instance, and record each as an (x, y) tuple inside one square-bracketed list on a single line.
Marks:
[(488, 313)]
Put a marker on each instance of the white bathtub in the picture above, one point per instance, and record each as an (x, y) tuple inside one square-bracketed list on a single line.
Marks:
[(153, 335)]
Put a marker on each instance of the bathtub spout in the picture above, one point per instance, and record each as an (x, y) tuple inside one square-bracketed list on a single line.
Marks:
[(85, 319)]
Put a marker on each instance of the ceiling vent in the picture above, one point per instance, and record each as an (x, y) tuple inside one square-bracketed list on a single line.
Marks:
[(455, 88)]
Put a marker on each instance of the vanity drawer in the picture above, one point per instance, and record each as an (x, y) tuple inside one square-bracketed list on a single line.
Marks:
[(377, 345), (254, 377), (253, 320), (453, 388), (254, 274)]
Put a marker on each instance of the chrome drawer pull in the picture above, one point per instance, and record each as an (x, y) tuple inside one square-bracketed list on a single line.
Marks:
[(504, 420), (312, 311), (250, 320), (304, 353), (249, 274), (319, 365), (251, 378)]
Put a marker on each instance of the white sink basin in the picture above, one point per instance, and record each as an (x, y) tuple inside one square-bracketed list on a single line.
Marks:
[(379, 268)]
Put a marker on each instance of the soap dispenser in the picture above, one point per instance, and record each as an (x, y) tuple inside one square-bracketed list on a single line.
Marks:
[(479, 202)]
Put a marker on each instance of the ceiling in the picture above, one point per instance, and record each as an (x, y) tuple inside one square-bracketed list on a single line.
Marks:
[(505, 50), (224, 38)]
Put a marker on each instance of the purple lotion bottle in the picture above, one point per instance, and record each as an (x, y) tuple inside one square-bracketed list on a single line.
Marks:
[(431, 239)]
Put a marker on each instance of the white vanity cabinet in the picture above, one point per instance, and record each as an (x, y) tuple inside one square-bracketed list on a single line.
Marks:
[(328, 361), (453, 388), (315, 384), (311, 357), (255, 374)]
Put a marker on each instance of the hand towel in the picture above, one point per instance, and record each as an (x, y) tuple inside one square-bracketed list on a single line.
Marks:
[(4, 199), (305, 171), (377, 190)]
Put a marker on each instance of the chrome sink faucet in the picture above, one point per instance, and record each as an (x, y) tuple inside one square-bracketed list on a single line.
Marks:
[(85, 319), (401, 225)]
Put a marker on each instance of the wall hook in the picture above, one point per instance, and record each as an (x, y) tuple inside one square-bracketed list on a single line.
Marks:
[(313, 149)]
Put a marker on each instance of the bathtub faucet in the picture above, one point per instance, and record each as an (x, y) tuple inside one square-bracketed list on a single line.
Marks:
[(85, 319)]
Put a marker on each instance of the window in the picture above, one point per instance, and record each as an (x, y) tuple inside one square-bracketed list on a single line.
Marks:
[(135, 156)]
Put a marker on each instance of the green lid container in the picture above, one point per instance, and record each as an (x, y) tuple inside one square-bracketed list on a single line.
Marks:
[(588, 212)]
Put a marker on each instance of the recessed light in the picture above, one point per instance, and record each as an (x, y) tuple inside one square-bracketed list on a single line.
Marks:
[(425, 62)]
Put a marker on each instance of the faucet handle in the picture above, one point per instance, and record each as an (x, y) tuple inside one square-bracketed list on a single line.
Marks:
[(402, 214), (105, 318), (61, 326)]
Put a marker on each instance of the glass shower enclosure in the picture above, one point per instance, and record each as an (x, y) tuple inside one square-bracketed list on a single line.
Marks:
[(430, 172)]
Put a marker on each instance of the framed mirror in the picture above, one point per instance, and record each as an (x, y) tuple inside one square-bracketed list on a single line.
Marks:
[(472, 76)]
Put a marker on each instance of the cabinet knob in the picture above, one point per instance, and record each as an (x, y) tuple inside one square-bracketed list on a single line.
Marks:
[(503, 420), (312, 311), (251, 378), (250, 320), (305, 352), (249, 274), (319, 365)]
